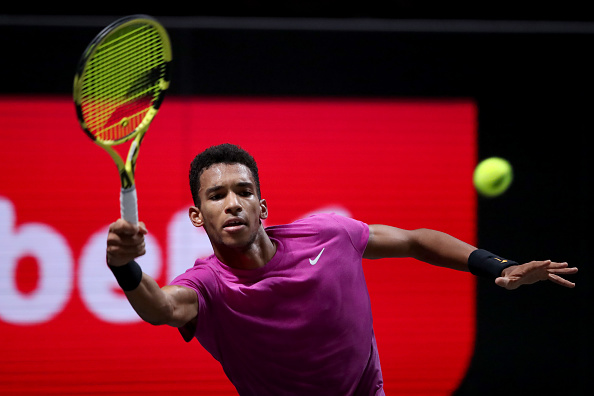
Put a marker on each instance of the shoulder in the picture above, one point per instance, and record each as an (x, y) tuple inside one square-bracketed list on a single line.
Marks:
[(346, 222), (357, 231), (200, 275), (321, 225), (335, 222), (316, 222)]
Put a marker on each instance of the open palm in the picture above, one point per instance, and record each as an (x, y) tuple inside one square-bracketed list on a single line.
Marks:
[(534, 271)]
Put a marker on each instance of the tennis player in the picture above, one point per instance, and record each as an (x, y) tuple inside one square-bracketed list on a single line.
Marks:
[(285, 309)]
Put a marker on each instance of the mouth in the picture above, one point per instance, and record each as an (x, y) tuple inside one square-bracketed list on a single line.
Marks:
[(233, 225)]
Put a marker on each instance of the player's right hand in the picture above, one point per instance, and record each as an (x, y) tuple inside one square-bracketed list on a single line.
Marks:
[(125, 242)]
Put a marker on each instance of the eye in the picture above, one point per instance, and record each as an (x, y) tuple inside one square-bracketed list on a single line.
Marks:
[(246, 193), (215, 197)]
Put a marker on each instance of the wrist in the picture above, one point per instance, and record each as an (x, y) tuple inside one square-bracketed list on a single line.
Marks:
[(128, 275), (113, 260), (509, 269), (486, 264)]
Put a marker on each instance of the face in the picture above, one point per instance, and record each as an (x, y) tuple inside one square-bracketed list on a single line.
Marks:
[(230, 210)]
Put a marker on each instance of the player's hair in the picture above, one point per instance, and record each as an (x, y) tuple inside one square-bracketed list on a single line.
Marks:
[(221, 154)]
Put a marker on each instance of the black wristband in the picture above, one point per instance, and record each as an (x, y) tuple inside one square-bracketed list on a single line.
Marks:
[(487, 264), (128, 276)]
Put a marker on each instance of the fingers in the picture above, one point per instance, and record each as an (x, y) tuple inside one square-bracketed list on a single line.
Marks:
[(553, 267), (541, 264), (126, 245), (561, 268), (556, 269), (125, 242), (535, 271), (124, 239), (563, 271), (142, 228), (123, 227), (561, 281)]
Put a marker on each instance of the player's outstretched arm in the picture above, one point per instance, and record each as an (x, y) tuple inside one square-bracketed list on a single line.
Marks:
[(171, 305), (430, 246), (441, 249)]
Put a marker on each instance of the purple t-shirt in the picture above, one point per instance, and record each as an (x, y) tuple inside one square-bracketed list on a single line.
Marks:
[(300, 325)]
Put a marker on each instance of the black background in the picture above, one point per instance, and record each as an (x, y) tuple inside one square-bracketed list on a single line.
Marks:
[(528, 68)]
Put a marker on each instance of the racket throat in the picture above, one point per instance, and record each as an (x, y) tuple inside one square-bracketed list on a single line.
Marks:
[(127, 175), (126, 180)]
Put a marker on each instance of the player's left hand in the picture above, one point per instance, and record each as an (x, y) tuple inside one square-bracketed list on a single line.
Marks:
[(534, 271)]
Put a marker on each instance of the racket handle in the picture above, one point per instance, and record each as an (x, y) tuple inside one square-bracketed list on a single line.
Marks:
[(128, 205)]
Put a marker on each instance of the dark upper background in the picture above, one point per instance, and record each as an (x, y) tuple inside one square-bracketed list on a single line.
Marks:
[(527, 66), (396, 9)]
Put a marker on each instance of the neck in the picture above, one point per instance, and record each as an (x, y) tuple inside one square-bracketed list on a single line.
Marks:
[(255, 255)]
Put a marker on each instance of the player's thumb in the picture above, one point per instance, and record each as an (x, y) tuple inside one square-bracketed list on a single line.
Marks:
[(503, 282), (142, 228)]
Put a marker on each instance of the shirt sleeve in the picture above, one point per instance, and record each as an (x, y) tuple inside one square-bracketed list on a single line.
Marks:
[(358, 231), (201, 279)]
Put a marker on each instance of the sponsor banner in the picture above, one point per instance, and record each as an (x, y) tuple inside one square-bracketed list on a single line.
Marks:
[(67, 328)]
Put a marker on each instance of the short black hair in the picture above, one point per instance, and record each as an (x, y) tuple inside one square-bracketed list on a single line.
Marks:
[(220, 154)]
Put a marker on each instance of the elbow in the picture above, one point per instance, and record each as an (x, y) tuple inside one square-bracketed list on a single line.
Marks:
[(154, 321), (418, 247), (158, 317)]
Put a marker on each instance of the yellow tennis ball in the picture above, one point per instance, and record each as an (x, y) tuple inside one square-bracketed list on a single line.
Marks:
[(492, 176)]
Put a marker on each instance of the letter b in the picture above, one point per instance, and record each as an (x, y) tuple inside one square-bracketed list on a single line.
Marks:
[(55, 262)]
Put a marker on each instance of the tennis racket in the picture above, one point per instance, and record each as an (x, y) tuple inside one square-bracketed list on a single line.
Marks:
[(119, 85)]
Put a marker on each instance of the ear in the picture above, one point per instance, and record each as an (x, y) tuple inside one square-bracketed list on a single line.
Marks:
[(263, 209), (196, 216)]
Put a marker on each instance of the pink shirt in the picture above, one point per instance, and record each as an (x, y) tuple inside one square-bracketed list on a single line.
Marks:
[(300, 325)]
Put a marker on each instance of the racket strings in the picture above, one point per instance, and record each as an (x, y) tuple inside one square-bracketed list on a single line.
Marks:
[(123, 79)]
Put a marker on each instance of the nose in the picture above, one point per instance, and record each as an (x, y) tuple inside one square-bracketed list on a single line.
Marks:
[(232, 204)]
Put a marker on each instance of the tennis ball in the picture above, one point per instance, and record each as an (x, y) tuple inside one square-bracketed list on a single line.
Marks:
[(492, 176)]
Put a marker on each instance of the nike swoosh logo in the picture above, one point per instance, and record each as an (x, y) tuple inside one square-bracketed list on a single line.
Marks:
[(315, 261)]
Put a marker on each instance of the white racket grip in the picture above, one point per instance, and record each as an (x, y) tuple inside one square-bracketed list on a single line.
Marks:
[(128, 205)]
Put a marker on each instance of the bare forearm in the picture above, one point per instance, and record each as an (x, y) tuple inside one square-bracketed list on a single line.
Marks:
[(150, 302), (172, 305), (438, 248), (430, 246)]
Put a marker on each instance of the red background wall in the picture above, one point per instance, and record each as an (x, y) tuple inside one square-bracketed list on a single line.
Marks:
[(403, 163)]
